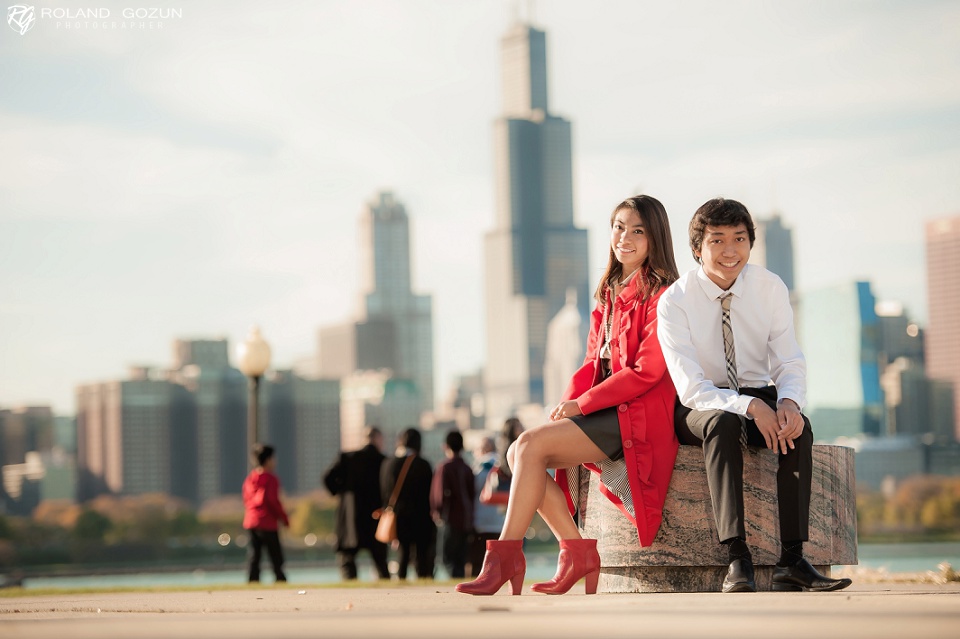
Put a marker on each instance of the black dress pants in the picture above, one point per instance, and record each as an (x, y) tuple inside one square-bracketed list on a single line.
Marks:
[(718, 432), (259, 539), (423, 552), (348, 561), (456, 545)]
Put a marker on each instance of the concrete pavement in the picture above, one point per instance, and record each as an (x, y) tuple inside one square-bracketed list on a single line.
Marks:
[(874, 610)]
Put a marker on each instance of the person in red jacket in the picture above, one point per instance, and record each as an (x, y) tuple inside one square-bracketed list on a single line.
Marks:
[(263, 512), (615, 418)]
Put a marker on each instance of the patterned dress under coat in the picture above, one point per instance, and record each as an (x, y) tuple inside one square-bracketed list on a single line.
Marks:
[(641, 389)]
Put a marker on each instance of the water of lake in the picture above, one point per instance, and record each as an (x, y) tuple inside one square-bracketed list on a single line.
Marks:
[(540, 566)]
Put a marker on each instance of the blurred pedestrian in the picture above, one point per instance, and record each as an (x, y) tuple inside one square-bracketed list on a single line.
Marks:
[(416, 532), (355, 478), (511, 430), (451, 497), (487, 519), (263, 513)]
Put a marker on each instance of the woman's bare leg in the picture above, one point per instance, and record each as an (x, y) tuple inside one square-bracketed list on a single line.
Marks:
[(560, 444), (555, 513)]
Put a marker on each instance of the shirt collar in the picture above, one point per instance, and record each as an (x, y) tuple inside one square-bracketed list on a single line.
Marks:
[(629, 289), (714, 292)]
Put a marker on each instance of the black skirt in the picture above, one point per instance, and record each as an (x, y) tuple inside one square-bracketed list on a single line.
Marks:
[(603, 429)]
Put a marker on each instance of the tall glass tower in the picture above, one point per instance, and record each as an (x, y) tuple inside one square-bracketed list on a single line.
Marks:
[(395, 329), (774, 248), (840, 333), (534, 253)]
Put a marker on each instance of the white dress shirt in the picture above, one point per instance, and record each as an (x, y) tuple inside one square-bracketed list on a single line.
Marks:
[(690, 332)]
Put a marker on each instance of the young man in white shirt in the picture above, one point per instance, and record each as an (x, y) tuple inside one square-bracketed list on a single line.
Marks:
[(740, 375)]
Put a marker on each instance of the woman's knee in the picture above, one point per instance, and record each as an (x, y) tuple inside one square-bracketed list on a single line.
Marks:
[(529, 445)]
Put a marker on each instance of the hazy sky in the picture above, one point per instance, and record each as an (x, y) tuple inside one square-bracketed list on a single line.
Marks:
[(193, 179)]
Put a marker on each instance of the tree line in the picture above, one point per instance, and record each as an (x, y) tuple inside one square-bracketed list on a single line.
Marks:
[(157, 528), (918, 508), (153, 528)]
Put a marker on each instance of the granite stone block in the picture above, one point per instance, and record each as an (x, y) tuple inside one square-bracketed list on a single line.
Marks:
[(686, 555)]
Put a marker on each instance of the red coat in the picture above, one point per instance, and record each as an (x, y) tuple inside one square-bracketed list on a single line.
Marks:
[(643, 392), (261, 501)]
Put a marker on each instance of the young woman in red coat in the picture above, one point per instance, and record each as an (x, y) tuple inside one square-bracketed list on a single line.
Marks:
[(615, 418)]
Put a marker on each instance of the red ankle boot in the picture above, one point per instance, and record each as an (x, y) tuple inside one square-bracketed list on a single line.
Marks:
[(578, 558), (503, 562)]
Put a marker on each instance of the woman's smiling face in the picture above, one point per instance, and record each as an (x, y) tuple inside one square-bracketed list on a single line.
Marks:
[(628, 240)]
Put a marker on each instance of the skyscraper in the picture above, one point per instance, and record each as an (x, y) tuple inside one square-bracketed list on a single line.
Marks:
[(914, 402), (773, 248), (219, 392), (393, 328), (389, 299), (840, 333), (565, 348), (301, 418), (136, 436), (942, 338), (25, 429), (534, 253)]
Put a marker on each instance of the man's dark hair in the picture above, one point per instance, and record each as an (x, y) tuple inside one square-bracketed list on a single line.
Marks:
[(410, 438), (261, 453), (718, 212), (454, 441)]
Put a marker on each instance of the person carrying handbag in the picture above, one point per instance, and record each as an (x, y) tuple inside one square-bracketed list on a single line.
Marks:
[(416, 531), (386, 532)]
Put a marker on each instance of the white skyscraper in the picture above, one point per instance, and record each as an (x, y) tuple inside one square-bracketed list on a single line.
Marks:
[(565, 349)]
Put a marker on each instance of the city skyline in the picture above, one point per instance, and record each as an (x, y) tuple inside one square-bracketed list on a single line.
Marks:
[(192, 180)]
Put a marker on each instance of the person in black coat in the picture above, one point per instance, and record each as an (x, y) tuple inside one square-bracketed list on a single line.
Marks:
[(355, 478), (416, 531)]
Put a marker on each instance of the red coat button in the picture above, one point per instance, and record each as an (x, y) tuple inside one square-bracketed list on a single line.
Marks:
[(623, 408), (628, 444)]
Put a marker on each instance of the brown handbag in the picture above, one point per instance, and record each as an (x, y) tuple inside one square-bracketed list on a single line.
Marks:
[(387, 518)]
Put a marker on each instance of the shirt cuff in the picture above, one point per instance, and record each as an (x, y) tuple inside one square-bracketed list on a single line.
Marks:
[(742, 404), (794, 399)]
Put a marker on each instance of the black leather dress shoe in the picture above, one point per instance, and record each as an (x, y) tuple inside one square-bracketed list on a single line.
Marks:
[(740, 577), (803, 576)]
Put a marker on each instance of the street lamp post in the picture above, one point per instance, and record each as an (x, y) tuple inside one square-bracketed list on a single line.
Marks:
[(253, 357)]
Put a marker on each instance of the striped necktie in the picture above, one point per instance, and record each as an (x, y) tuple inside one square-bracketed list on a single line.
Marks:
[(730, 355)]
